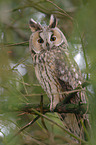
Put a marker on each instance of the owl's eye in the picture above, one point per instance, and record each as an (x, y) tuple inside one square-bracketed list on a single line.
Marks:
[(40, 40), (53, 38)]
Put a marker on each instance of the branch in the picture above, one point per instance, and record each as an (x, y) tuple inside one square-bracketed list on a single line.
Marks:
[(26, 126), (71, 108), (60, 108), (64, 12)]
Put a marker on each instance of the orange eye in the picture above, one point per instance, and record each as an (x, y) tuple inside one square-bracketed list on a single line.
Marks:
[(40, 40), (53, 38)]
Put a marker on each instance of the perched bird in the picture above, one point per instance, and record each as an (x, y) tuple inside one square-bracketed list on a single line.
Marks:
[(56, 70)]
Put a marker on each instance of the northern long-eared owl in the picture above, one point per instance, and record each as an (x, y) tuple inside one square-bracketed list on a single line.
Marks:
[(55, 69)]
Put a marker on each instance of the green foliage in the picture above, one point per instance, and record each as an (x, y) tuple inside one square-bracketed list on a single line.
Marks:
[(18, 83)]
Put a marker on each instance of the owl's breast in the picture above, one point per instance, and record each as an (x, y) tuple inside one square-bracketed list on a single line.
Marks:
[(46, 74), (45, 68)]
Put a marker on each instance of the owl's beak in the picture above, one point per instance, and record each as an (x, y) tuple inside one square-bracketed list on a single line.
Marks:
[(47, 46)]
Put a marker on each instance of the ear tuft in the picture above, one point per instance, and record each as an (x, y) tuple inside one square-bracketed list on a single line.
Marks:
[(34, 26), (53, 22)]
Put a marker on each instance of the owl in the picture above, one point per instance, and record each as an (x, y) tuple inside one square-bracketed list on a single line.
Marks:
[(56, 70)]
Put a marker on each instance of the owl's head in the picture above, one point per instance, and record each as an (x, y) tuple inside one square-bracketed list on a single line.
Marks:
[(47, 37)]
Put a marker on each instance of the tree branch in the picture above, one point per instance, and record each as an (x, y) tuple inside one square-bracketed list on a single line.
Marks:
[(60, 108)]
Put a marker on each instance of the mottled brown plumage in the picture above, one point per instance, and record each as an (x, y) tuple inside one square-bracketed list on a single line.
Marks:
[(56, 70)]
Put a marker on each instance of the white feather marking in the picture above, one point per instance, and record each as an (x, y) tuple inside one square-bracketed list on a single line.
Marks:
[(74, 69), (33, 21), (76, 76)]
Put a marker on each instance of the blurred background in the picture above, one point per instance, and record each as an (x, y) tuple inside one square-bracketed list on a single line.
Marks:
[(18, 83)]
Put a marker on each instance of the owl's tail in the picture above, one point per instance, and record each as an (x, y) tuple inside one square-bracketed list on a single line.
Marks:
[(76, 125)]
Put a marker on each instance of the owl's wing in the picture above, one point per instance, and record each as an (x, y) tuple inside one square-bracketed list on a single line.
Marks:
[(67, 70), (69, 75)]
